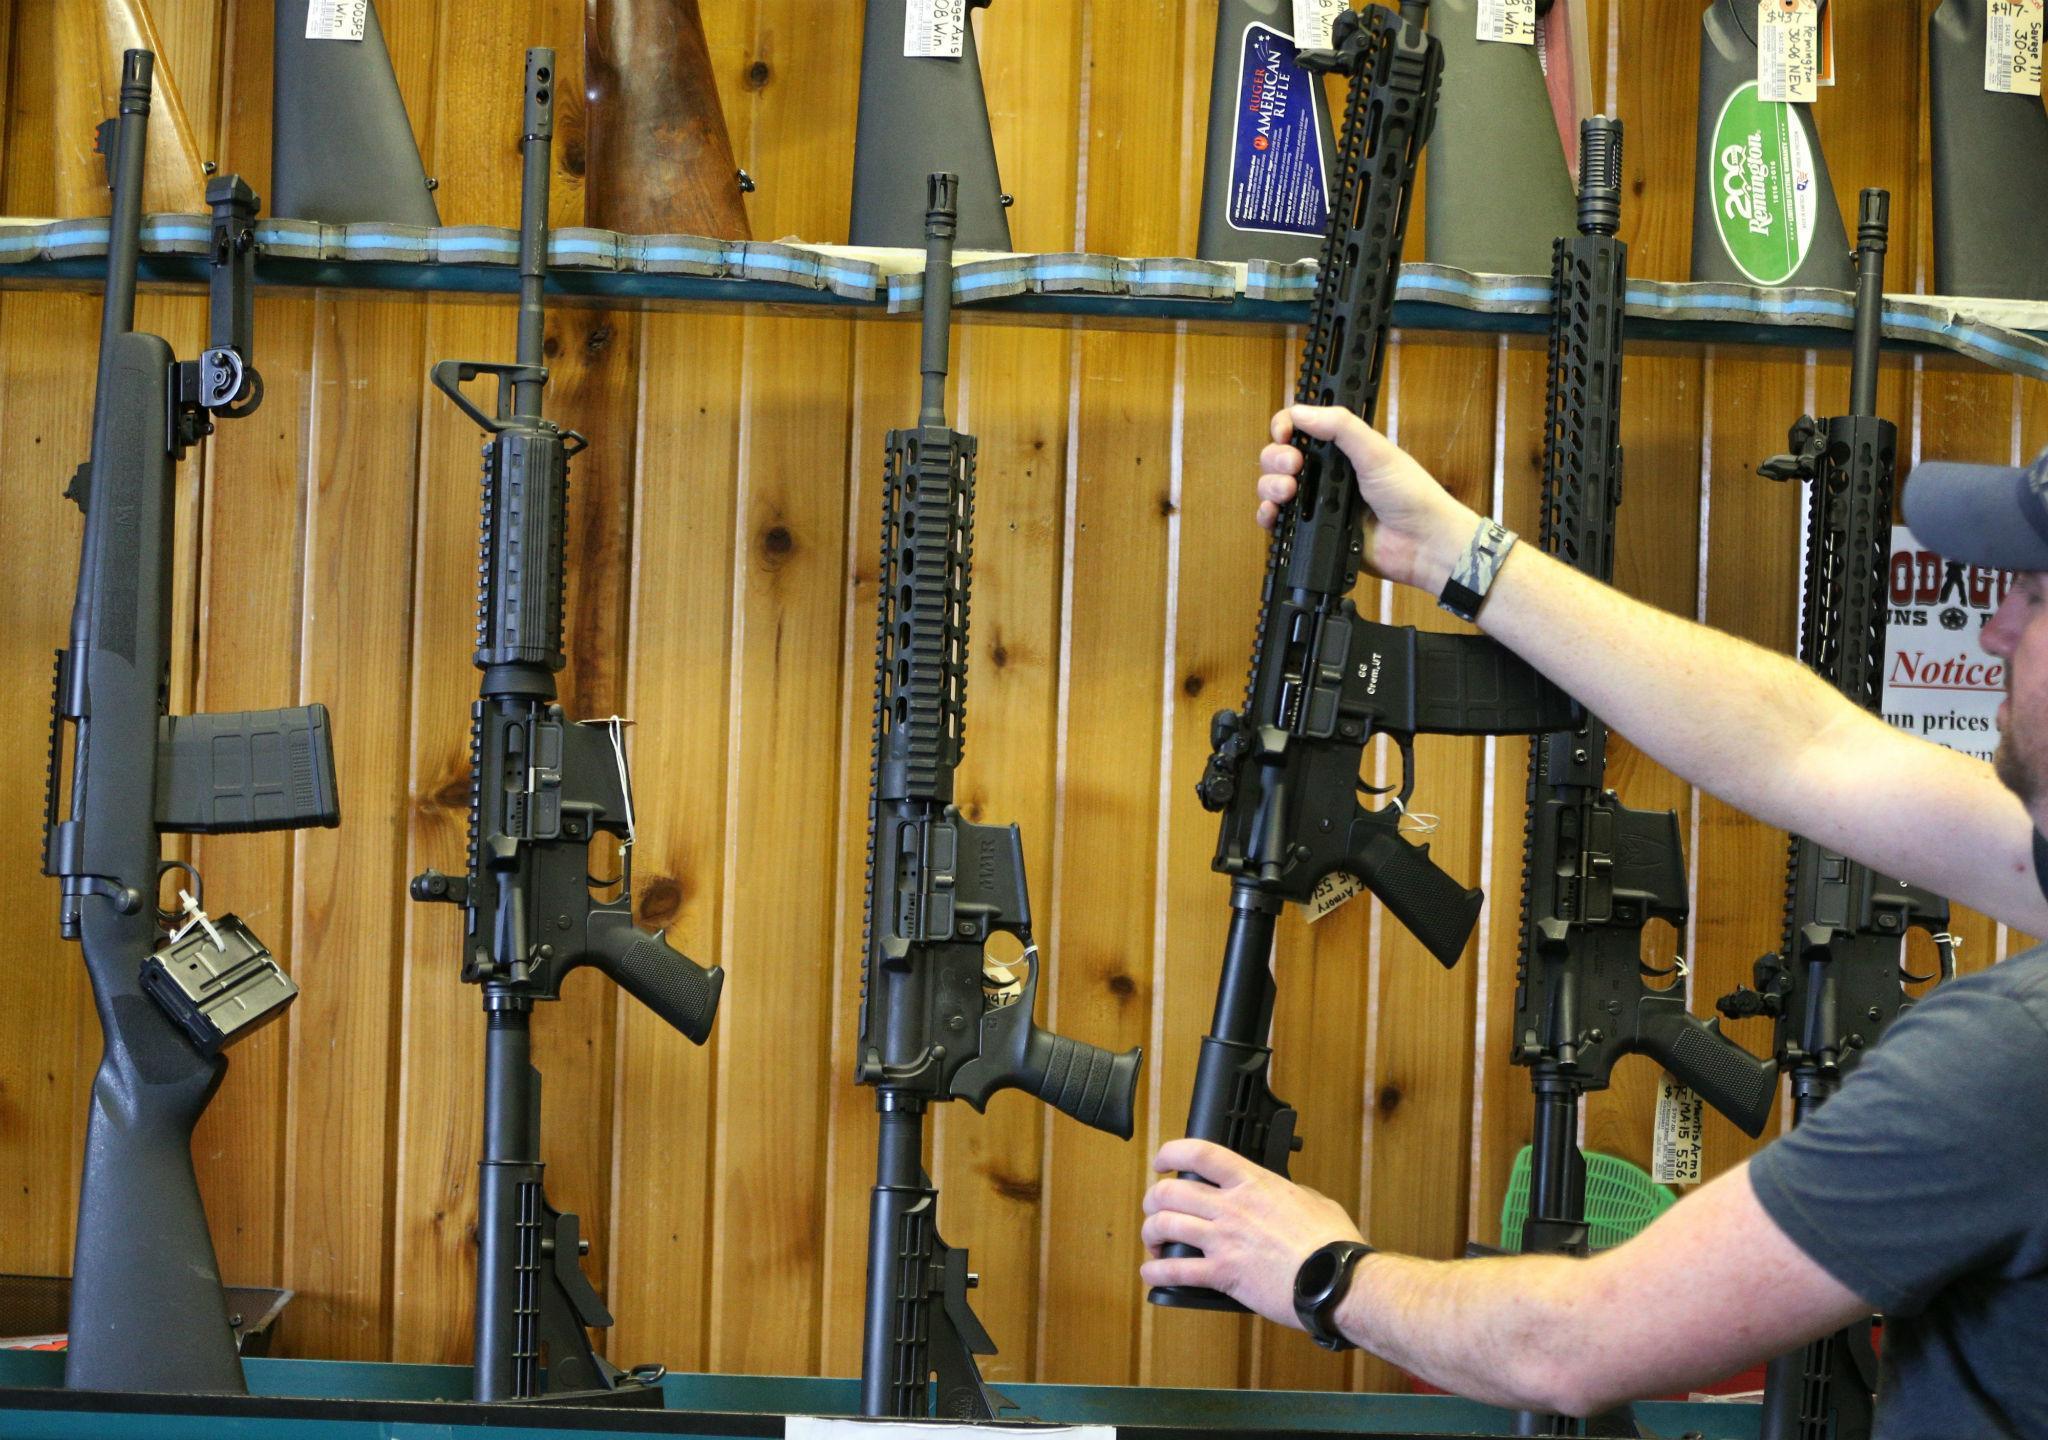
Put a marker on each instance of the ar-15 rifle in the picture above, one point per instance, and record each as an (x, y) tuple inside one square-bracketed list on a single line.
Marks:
[(935, 1023), (1834, 985), (1285, 770), (542, 789), (147, 1311), (1594, 871)]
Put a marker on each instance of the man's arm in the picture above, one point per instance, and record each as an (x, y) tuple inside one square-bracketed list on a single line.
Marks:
[(1711, 1288), (1755, 728)]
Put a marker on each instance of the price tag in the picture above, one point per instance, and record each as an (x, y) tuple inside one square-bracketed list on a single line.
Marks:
[(934, 29), (337, 19), (1312, 22), (1788, 50), (1331, 891), (2012, 47), (1513, 21), (1676, 1141)]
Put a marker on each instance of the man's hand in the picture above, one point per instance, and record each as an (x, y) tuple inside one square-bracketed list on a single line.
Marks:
[(1253, 1227), (1416, 531)]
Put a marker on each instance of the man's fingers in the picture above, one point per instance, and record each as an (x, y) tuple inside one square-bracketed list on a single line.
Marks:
[(1170, 1226), (1191, 1197), (1280, 460), (1277, 488), (1281, 426), (1212, 1162), (1364, 446), (1268, 513), (1194, 1270)]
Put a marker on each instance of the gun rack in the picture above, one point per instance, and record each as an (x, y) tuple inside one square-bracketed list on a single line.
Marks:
[(606, 268)]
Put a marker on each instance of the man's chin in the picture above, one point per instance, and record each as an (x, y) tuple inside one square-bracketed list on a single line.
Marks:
[(2014, 772)]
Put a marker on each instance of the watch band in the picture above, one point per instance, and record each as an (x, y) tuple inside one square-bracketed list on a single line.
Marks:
[(1321, 1284), (1472, 576)]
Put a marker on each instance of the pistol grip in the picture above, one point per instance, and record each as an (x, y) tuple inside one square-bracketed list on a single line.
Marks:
[(1722, 1073), (658, 975), (1439, 911), (1084, 1081)]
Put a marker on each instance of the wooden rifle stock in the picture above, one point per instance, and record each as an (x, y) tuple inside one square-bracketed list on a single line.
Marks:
[(659, 157), (88, 38)]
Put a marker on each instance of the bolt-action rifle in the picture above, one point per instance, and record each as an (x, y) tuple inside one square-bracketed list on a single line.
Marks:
[(147, 1312), (1837, 982), (937, 1020), (1285, 770), (1594, 871), (542, 790)]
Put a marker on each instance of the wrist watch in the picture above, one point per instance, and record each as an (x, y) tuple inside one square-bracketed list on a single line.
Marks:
[(1320, 1286), (1472, 576)]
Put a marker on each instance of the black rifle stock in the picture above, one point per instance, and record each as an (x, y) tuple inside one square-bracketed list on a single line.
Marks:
[(147, 1312), (543, 789), (935, 1023), (1836, 982), (1285, 770), (920, 115), (1593, 871), (343, 151), (1990, 154)]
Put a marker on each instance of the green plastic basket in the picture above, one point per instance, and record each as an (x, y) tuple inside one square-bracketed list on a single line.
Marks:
[(1621, 1199)]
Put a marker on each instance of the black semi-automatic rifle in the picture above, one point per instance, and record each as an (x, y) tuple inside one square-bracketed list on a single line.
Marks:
[(1594, 871), (1325, 681), (147, 1311), (542, 789), (937, 1022), (1836, 982)]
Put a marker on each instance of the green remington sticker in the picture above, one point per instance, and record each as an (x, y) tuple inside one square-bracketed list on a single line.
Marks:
[(1766, 192)]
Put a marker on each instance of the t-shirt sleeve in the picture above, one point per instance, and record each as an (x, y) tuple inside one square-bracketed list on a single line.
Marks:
[(1926, 1165)]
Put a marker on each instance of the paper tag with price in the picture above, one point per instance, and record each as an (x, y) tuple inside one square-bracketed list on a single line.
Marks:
[(1788, 50), (1312, 22), (1675, 1143), (1330, 892), (2012, 47), (337, 19), (935, 29), (1511, 20)]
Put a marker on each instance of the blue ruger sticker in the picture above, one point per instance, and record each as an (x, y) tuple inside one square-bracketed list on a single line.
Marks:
[(1277, 175)]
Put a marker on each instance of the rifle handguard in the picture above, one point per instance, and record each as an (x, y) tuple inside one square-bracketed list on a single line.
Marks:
[(658, 975)]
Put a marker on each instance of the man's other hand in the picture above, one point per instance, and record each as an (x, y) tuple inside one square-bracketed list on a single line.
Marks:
[(1416, 530), (1253, 1227)]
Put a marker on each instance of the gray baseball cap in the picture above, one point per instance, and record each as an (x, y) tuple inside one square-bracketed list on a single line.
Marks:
[(1983, 514)]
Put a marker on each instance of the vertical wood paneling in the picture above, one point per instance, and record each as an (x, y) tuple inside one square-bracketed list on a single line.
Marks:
[(721, 594)]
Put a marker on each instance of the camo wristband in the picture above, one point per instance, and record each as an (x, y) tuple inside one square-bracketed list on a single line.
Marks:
[(1472, 576)]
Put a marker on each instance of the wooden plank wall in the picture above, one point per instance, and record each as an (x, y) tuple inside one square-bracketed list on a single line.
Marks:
[(723, 521)]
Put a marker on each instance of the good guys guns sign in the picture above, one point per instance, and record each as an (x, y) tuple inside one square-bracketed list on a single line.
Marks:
[(1938, 682)]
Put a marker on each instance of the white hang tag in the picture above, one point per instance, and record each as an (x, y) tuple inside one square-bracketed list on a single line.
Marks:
[(1331, 891), (1788, 50), (1513, 21), (935, 29), (1676, 1142), (337, 19), (1313, 20), (2012, 47)]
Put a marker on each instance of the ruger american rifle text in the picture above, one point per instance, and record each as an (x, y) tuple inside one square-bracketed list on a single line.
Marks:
[(1835, 983), (542, 790), (935, 1022), (147, 1311), (1285, 771)]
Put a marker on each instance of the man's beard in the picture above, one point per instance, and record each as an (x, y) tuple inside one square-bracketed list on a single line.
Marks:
[(2015, 770)]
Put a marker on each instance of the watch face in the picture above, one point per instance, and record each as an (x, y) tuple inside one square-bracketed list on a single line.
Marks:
[(1317, 1274)]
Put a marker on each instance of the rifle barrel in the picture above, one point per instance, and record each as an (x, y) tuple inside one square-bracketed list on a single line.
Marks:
[(1872, 226), (535, 146), (124, 233), (941, 215)]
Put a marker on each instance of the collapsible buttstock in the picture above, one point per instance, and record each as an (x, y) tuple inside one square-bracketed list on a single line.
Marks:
[(1715, 1068), (658, 975), (87, 38), (1435, 908), (659, 158)]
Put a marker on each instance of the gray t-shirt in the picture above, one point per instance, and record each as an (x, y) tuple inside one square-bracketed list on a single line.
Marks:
[(1923, 1187)]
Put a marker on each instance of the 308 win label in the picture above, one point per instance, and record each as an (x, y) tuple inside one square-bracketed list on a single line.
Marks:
[(1513, 21), (337, 19), (935, 29), (2012, 47), (1788, 50)]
